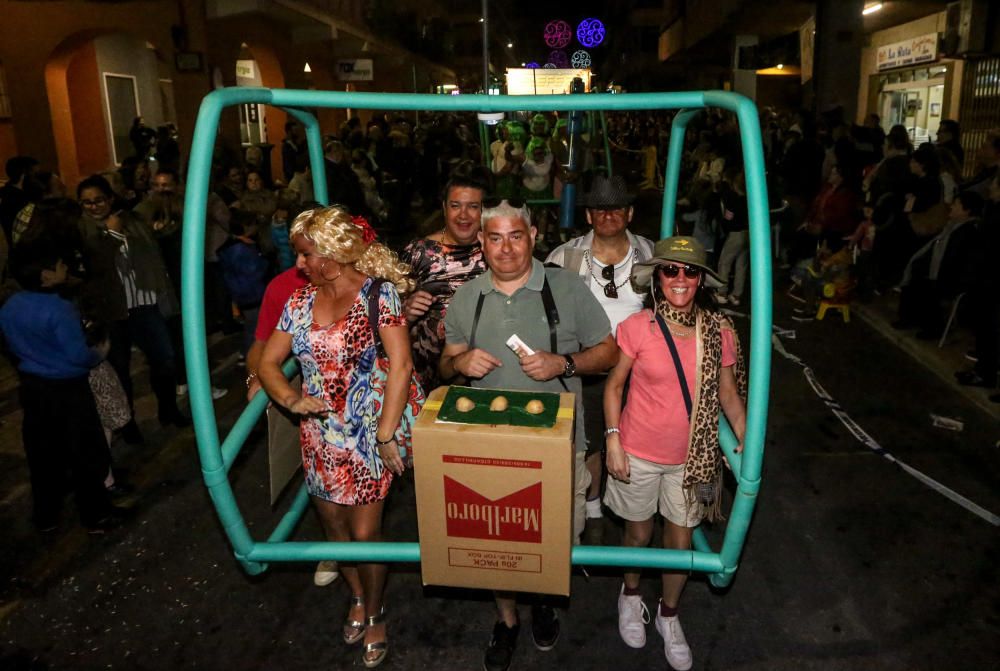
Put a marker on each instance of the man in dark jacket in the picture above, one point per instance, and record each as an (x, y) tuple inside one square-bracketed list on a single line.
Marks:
[(939, 271), (983, 298)]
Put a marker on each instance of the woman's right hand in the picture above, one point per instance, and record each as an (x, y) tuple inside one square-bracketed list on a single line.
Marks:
[(616, 459), (417, 304), (307, 405)]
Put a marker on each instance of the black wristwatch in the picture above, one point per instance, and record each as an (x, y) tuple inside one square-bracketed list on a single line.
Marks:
[(570, 369)]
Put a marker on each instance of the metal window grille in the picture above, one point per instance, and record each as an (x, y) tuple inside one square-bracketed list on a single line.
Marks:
[(979, 111)]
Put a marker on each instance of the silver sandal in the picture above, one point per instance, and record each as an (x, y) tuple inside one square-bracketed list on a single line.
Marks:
[(354, 630), (381, 647)]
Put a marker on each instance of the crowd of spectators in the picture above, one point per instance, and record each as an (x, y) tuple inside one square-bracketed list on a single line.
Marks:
[(856, 213), (854, 208)]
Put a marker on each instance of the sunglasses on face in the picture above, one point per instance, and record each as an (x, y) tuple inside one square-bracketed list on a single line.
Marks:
[(491, 201), (671, 271)]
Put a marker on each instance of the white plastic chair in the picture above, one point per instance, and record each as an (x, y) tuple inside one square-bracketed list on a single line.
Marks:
[(951, 319)]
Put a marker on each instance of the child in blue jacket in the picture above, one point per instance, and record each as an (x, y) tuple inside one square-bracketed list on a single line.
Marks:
[(61, 429)]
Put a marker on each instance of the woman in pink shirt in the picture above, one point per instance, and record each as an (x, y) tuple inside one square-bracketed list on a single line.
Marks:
[(684, 361)]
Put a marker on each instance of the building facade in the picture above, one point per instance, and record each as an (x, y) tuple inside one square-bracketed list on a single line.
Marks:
[(74, 74)]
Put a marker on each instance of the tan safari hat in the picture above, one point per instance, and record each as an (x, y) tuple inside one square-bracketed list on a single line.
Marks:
[(678, 249)]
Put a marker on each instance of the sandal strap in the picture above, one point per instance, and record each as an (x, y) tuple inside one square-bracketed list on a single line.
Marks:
[(357, 601), (373, 620), (376, 646)]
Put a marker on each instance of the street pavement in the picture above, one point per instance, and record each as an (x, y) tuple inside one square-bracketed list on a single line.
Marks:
[(852, 561)]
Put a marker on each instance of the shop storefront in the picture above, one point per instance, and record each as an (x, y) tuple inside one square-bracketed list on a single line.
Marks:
[(906, 81), (913, 97)]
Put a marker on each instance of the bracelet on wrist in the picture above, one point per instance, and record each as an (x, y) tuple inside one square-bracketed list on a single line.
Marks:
[(250, 378), (380, 443), (610, 430)]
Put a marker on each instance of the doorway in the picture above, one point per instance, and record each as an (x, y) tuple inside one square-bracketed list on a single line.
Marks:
[(121, 103)]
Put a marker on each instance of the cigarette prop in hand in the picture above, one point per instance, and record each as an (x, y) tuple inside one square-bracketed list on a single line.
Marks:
[(518, 347)]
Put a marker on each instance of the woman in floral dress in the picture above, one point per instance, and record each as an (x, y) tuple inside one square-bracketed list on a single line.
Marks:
[(357, 404)]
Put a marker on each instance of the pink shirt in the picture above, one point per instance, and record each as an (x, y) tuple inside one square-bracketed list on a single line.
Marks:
[(275, 296), (654, 424)]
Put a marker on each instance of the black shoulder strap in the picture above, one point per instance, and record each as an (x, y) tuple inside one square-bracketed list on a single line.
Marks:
[(677, 363), (475, 320), (373, 292), (551, 314), (552, 317)]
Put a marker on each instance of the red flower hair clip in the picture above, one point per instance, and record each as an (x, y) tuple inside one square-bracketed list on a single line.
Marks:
[(367, 232)]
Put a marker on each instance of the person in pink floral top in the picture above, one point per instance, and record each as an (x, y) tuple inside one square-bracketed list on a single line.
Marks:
[(441, 263), (359, 395)]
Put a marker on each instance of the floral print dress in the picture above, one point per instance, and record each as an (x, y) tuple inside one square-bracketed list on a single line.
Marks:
[(439, 269), (340, 365)]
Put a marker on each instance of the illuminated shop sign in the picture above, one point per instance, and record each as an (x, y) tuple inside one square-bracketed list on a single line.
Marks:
[(921, 49)]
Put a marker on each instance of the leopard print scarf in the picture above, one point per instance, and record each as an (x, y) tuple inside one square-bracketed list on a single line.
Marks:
[(703, 466)]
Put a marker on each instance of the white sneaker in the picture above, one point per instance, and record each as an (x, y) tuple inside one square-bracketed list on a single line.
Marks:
[(594, 509), (326, 573), (675, 646), (734, 300), (633, 616), (218, 393), (721, 298), (181, 390)]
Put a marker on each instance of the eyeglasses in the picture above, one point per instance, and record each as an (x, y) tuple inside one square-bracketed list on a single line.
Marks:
[(494, 201), (690, 272), (100, 200)]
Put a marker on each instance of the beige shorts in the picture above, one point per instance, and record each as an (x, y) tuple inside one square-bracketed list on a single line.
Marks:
[(652, 486)]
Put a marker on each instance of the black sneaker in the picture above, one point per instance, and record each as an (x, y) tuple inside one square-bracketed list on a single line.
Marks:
[(544, 627), (114, 519), (970, 378), (120, 490), (130, 433), (501, 648), (176, 418)]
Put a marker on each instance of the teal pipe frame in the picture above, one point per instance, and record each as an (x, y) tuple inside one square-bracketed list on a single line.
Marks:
[(672, 175), (589, 555), (216, 458), (314, 143)]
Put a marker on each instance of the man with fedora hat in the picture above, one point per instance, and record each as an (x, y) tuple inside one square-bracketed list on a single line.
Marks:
[(604, 258)]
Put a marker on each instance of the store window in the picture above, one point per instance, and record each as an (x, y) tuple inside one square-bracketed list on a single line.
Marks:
[(913, 98)]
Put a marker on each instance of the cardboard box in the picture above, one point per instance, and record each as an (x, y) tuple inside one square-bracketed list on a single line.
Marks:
[(495, 502)]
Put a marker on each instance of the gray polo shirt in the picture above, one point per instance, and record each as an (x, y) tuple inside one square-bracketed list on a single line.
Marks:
[(582, 324)]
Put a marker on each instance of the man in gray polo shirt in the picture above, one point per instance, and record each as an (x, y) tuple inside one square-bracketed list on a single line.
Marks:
[(511, 298)]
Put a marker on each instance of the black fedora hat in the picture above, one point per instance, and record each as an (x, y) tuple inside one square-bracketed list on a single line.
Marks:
[(607, 193)]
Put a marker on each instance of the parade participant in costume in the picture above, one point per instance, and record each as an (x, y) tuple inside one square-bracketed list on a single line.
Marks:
[(604, 258), (663, 446), (510, 298), (358, 396), (507, 157), (537, 174), (442, 262)]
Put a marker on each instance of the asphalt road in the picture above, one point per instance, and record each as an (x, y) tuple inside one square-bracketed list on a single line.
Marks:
[(851, 562)]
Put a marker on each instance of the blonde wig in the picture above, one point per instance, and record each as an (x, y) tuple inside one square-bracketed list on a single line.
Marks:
[(337, 237)]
